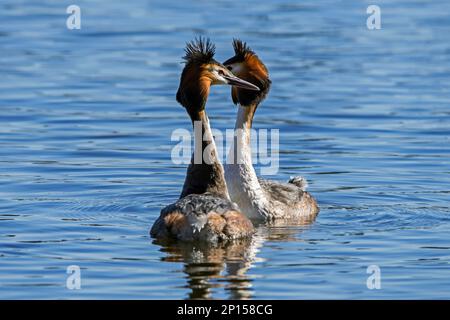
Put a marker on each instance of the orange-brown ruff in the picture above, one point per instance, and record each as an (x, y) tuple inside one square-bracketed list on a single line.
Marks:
[(259, 198), (204, 211)]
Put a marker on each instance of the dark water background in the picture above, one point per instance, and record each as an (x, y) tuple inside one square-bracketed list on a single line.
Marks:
[(85, 123)]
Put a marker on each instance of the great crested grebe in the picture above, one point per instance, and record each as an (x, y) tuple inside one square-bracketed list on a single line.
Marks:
[(256, 197), (204, 210)]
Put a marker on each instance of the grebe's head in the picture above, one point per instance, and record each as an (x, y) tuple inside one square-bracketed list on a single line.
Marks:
[(248, 66), (201, 72)]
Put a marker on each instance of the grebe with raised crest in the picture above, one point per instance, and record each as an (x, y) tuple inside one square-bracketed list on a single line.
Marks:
[(204, 210), (259, 198)]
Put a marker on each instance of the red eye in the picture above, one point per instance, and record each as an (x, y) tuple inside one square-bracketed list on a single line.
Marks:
[(221, 73)]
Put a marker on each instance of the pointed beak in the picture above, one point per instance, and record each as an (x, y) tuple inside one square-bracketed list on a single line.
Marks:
[(237, 82)]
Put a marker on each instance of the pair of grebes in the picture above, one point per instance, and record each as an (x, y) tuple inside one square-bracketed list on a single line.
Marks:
[(219, 203)]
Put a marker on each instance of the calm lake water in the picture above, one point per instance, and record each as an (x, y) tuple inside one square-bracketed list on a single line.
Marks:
[(86, 118)]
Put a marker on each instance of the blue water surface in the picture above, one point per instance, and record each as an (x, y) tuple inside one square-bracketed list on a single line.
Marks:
[(86, 118)]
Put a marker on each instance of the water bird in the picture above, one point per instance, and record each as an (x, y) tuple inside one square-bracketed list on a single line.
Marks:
[(259, 198), (204, 210)]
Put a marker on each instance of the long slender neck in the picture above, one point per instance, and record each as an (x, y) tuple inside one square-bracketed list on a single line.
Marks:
[(241, 150), (240, 175), (205, 172)]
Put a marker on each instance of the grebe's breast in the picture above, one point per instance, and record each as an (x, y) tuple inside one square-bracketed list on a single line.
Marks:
[(245, 191)]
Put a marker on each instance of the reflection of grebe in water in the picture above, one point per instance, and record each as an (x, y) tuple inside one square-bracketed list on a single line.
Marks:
[(212, 268), (256, 197), (204, 210)]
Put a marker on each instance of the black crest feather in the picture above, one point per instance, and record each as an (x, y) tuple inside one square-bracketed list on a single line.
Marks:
[(241, 49), (200, 50)]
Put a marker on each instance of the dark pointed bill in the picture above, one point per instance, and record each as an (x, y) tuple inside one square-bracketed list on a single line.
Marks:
[(237, 82)]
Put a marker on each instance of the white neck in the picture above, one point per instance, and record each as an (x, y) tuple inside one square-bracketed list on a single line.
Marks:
[(242, 182)]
